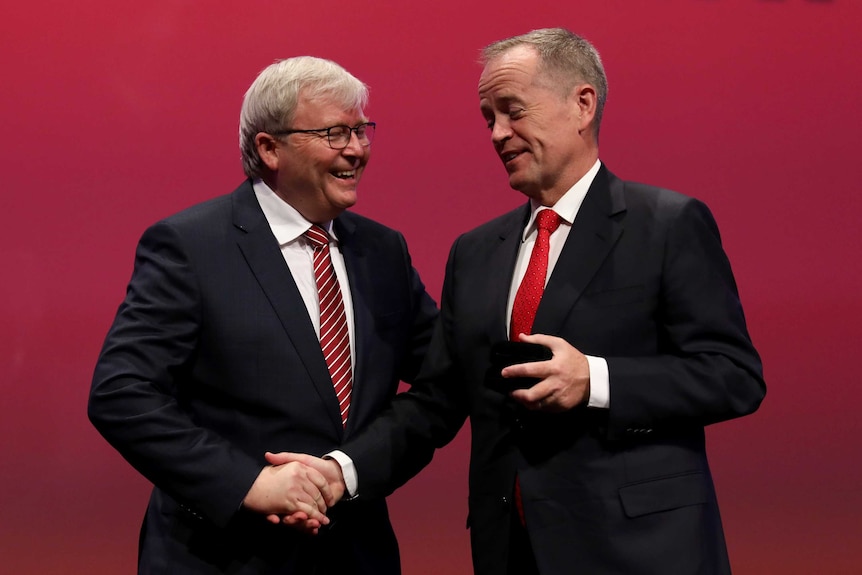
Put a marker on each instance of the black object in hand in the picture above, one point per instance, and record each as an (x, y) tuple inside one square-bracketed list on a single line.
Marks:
[(505, 353)]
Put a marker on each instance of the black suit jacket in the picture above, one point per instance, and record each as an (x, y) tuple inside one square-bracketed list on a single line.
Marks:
[(642, 281), (212, 360)]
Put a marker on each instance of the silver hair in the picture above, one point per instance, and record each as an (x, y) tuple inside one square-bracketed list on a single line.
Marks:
[(565, 59), (270, 102)]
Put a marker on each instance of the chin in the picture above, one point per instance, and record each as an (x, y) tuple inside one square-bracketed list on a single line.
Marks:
[(344, 200), (524, 187)]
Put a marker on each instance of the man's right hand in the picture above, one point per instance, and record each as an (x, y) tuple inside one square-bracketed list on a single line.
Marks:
[(329, 469), (293, 493)]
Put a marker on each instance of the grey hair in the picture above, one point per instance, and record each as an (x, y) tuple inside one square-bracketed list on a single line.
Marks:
[(565, 59), (270, 102)]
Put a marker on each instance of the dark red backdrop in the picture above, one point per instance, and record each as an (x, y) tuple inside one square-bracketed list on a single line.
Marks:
[(113, 116)]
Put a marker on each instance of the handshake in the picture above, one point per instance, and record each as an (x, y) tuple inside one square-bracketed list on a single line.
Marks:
[(296, 489)]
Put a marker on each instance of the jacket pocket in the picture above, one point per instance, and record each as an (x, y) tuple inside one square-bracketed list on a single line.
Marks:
[(665, 493)]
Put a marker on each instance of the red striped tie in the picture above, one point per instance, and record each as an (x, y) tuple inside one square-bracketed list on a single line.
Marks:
[(334, 337)]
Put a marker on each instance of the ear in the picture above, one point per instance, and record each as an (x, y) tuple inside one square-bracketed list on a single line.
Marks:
[(584, 97), (267, 149)]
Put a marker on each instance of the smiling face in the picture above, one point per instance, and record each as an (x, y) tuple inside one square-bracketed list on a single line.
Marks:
[(304, 171), (541, 134)]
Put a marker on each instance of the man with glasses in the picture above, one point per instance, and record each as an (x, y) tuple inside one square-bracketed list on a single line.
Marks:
[(268, 319)]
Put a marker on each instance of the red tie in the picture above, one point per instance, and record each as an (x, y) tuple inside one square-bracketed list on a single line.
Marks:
[(334, 337), (533, 285), (529, 294)]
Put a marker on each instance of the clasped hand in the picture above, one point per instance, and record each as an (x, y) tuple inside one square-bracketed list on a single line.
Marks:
[(296, 489)]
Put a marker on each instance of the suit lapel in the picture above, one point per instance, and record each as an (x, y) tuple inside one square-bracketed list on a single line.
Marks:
[(359, 276), (502, 259), (593, 235), (261, 251)]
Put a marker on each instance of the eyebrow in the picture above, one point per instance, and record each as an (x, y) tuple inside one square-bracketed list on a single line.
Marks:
[(502, 101)]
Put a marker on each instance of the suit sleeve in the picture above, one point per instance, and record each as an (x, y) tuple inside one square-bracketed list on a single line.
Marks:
[(706, 369), (141, 383), (402, 440), (424, 314)]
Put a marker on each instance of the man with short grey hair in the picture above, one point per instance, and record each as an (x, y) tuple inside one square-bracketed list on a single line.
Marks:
[(268, 319)]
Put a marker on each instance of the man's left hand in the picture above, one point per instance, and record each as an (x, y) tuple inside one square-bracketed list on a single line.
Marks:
[(565, 378)]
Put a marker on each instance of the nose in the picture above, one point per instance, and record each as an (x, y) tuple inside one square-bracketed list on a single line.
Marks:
[(501, 132), (354, 146)]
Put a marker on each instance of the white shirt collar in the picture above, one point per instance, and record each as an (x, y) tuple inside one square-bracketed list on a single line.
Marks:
[(568, 205), (286, 222)]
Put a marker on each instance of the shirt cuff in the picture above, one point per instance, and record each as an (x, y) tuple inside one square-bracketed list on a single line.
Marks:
[(348, 471), (600, 386)]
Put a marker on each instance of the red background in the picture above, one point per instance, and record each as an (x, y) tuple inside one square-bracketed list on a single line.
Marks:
[(114, 115)]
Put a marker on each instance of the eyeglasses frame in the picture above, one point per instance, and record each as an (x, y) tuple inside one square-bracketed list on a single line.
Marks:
[(353, 130)]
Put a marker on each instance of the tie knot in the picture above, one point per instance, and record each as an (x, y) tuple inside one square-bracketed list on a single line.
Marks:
[(548, 220), (318, 236)]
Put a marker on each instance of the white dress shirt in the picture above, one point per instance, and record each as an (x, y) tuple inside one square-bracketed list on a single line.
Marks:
[(288, 227)]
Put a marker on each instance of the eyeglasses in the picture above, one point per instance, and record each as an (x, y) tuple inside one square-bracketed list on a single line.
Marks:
[(338, 136)]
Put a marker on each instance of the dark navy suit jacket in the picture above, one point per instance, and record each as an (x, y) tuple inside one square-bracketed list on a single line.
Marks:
[(212, 360), (642, 281)]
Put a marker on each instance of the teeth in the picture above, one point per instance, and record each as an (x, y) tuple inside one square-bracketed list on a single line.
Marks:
[(509, 156), (344, 174)]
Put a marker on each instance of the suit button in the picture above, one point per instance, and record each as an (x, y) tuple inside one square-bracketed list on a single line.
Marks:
[(505, 502)]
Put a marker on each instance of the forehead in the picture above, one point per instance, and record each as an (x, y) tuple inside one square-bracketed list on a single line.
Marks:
[(509, 76), (325, 110)]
